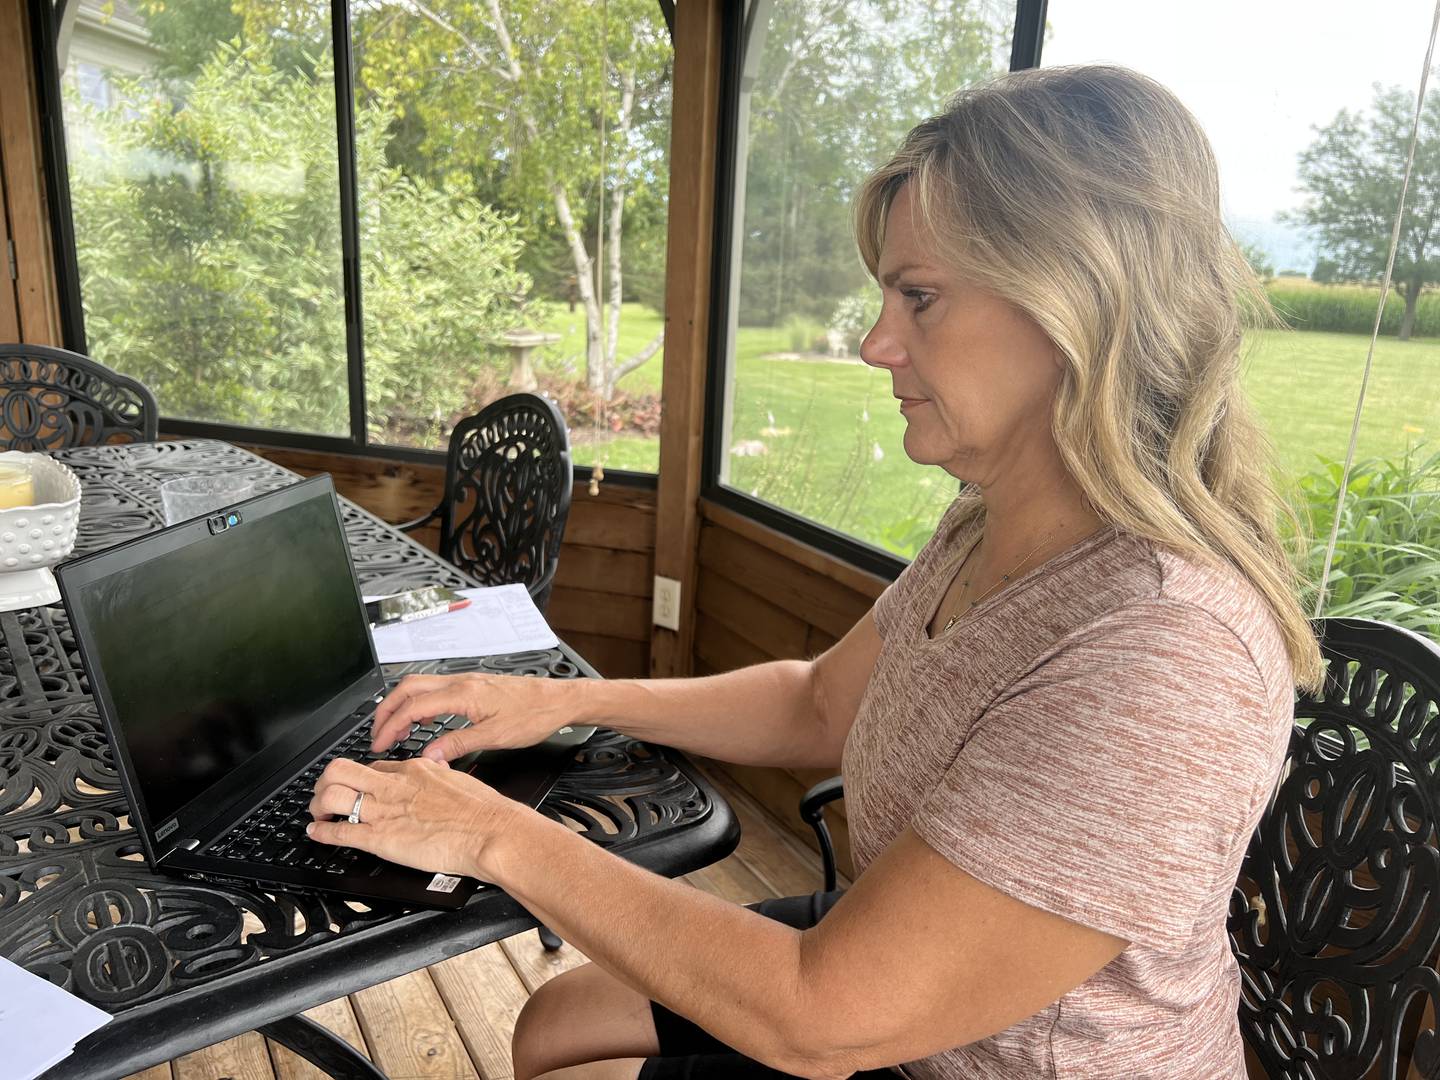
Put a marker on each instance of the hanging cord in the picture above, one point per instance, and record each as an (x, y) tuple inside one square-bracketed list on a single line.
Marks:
[(1320, 594), (597, 471)]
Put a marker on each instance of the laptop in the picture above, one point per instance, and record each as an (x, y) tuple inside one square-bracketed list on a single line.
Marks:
[(230, 659)]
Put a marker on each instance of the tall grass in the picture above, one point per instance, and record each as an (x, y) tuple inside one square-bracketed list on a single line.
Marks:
[(1349, 309), (1387, 558)]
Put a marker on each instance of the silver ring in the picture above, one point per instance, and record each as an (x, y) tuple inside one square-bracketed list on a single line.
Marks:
[(354, 817)]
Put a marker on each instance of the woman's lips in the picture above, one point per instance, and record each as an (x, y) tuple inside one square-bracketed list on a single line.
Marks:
[(907, 403)]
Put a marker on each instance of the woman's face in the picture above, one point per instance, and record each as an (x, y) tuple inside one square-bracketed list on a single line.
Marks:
[(976, 377)]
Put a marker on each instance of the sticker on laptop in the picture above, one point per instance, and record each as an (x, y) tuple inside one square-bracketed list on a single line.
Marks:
[(442, 883)]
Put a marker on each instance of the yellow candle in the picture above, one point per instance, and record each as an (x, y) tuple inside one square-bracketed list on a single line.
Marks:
[(17, 488)]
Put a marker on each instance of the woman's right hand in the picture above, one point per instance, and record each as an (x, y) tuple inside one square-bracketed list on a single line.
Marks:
[(505, 711)]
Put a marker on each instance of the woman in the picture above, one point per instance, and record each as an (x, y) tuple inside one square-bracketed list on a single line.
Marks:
[(1058, 728)]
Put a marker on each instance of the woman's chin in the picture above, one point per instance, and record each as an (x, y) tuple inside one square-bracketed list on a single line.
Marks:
[(922, 451)]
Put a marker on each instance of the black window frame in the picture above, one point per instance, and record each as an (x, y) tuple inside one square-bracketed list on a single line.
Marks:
[(45, 16), (1026, 43)]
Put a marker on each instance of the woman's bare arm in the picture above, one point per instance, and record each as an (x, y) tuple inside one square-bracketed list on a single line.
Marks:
[(785, 713)]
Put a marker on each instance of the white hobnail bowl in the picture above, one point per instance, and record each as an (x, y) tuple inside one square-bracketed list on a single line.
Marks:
[(35, 538)]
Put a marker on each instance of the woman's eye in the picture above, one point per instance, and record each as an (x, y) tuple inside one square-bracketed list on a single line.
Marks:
[(918, 299)]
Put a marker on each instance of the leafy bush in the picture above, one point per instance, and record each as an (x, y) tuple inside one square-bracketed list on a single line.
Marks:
[(856, 313), (1387, 557), (1349, 309), (208, 231), (801, 333)]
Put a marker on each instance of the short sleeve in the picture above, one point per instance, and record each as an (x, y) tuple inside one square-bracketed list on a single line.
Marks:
[(1113, 783)]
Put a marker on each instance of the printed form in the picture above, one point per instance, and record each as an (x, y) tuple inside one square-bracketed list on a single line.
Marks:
[(500, 619)]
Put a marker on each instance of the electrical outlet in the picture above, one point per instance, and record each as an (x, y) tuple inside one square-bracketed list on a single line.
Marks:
[(666, 611)]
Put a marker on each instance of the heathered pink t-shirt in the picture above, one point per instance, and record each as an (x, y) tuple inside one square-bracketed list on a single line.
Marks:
[(1098, 740)]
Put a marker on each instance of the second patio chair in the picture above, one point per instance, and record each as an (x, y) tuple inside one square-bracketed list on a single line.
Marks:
[(52, 399), (507, 494)]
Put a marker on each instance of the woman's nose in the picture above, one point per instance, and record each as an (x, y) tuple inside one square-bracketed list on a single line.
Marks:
[(880, 348)]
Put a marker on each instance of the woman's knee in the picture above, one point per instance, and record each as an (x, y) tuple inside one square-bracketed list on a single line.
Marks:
[(580, 1016)]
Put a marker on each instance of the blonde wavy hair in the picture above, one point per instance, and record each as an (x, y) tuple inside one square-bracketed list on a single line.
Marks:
[(1088, 197)]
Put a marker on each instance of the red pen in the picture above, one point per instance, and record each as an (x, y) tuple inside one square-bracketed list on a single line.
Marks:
[(438, 609)]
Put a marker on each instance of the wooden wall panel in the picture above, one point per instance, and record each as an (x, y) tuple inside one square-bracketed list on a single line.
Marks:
[(9, 299), (763, 596), (26, 210), (601, 601), (694, 141)]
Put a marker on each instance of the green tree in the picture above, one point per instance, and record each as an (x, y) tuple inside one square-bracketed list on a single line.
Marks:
[(512, 99), (836, 85), (208, 233), (1258, 258), (1352, 173)]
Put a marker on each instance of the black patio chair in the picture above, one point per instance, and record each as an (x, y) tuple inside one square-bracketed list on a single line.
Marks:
[(507, 494), (51, 399), (1335, 919)]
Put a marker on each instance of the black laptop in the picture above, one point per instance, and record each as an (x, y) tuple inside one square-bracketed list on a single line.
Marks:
[(231, 660)]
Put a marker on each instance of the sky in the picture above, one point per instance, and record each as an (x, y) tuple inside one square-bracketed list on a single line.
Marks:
[(1259, 75)]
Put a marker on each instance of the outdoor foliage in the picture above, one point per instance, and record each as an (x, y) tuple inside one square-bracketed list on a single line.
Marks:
[(1352, 174), (1387, 558), (1350, 309), (823, 66), (208, 229), (511, 103)]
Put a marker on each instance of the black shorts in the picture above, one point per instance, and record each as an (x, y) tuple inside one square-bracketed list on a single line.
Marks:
[(689, 1052)]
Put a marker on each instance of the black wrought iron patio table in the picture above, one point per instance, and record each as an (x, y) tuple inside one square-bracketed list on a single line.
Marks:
[(183, 964)]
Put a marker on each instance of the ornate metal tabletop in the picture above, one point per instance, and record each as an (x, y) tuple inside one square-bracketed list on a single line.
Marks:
[(183, 964)]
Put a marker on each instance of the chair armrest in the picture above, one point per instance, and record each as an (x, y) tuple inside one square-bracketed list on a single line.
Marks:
[(411, 526), (812, 812)]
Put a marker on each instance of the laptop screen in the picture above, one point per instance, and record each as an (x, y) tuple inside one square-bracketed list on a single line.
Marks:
[(213, 650)]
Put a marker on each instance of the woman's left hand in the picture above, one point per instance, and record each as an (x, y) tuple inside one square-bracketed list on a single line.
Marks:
[(419, 812)]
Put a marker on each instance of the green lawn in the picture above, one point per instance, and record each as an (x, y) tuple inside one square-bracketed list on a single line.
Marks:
[(824, 439)]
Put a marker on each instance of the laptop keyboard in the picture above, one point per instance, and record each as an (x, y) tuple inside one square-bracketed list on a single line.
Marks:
[(275, 832)]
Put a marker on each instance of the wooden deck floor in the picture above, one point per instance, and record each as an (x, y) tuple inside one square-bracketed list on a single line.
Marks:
[(454, 1020)]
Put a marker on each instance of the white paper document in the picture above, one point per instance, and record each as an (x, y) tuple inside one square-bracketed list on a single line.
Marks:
[(501, 619), (39, 1023)]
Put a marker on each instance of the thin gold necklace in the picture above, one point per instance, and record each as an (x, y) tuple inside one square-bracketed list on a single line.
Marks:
[(1003, 579)]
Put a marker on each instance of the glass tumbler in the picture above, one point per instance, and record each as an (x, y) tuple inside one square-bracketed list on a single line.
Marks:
[(188, 497)]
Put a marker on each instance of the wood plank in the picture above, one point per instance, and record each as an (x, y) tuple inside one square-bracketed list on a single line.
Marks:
[(629, 573), (694, 135), (162, 1071), (483, 995), (535, 964), (9, 301), (766, 846), (638, 495), (336, 1016), (732, 880), (396, 491), (722, 649), (408, 1030), (861, 581), (240, 1058), (770, 629), (818, 641), (36, 298), (621, 526), (613, 657), (603, 614), (779, 793), (811, 596)]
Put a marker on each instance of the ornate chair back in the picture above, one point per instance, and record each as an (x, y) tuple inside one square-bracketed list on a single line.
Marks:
[(51, 399), (507, 493), (1335, 919)]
